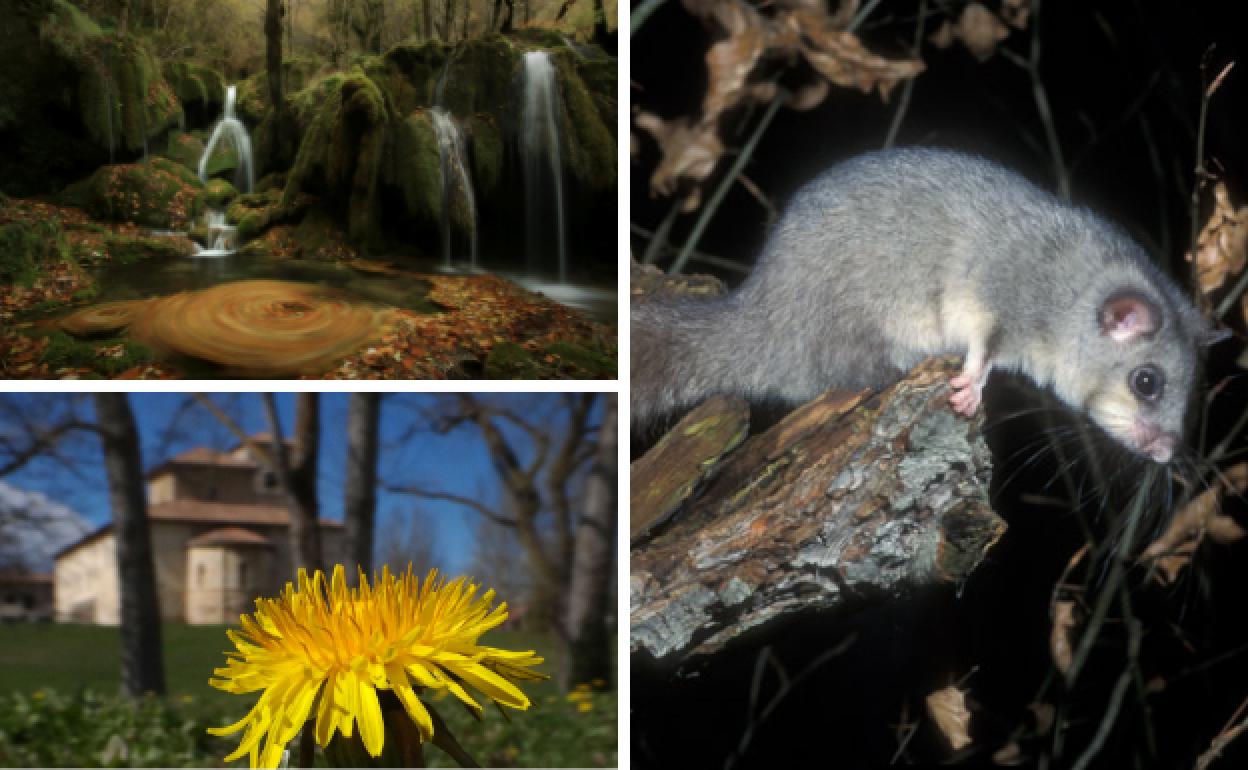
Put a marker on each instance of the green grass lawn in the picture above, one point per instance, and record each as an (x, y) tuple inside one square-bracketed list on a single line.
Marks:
[(58, 706)]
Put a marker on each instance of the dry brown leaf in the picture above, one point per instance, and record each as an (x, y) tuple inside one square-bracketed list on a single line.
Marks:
[(1061, 647), (1173, 550), (812, 95), (1224, 530), (1222, 246), (942, 38), (980, 30), (1008, 755), (841, 58), (1016, 12), (947, 708), (690, 151), (729, 63)]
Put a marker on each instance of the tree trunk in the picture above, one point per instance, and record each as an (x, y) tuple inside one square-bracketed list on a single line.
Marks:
[(142, 657), (297, 476), (426, 12), (360, 509), (448, 19), (282, 143), (562, 468), (852, 498), (526, 504), (589, 596)]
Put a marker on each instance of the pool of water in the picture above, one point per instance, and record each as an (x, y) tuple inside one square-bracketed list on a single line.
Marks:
[(152, 278)]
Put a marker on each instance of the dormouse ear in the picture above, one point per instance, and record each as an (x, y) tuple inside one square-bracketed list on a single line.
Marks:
[(1129, 315)]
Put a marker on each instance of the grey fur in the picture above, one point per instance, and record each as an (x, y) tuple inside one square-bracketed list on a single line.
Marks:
[(874, 265)]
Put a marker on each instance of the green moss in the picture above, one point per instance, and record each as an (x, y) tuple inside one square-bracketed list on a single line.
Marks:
[(128, 249), (154, 194), (25, 247), (253, 93), (487, 155), (66, 352), (218, 193), (184, 149), (121, 94), (409, 72), (481, 77), (193, 82), (590, 141), (509, 361), (343, 151), (176, 169), (591, 363), (416, 170)]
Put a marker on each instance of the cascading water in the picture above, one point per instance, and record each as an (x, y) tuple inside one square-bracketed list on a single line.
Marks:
[(222, 237), (232, 130), (543, 167), (456, 183)]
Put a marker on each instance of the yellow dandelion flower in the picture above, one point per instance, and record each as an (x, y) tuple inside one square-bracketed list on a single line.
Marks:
[(584, 706), (334, 649)]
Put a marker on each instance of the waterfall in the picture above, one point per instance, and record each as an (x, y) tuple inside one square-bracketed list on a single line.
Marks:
[(456, 182), (222, 238), (233, 131), (543, 168)]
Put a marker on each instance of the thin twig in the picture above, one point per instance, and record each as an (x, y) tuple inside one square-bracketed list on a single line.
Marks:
[(712, 204), (1031, 65), (642, 12), (658, 242), (903, 104), (697, 256)]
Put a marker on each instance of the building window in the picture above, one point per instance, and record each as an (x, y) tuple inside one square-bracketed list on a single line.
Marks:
[(201, 575)]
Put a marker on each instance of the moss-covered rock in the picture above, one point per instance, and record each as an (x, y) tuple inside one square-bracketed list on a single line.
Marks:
[(218, 193), (184, 149), (121, 95), (153, 194), (487, 155), (408, 73), (481, 76), (253, 93), (127, 249), (200, 89), (590, 140), (416, 170), (342, 152)]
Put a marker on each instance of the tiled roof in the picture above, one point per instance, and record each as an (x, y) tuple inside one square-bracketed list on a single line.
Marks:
[(230, 536), (226, 513)]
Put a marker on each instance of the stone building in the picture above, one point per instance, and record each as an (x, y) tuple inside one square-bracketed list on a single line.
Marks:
[(220, 538)]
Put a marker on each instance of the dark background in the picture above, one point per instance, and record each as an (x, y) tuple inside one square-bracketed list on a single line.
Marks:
[(1124, 81)]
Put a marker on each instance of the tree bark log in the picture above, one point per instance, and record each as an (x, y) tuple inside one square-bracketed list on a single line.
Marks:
[(360, 508), (852, 497), (142, 657), (589, 595)]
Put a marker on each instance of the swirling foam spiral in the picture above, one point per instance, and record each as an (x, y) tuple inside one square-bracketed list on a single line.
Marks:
[(260, 328)]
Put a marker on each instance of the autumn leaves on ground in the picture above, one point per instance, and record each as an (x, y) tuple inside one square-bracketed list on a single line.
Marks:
[(481, 325)]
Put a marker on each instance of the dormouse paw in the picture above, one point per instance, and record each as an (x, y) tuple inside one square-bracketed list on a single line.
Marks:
[(967, 390)]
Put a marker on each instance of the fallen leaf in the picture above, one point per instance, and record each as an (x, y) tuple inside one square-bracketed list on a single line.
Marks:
[(947, 708)]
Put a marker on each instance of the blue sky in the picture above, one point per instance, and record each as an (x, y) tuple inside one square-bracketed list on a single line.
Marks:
[(170, 423)]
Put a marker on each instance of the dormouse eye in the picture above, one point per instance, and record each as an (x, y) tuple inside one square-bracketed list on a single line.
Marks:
[(1147, 382)]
